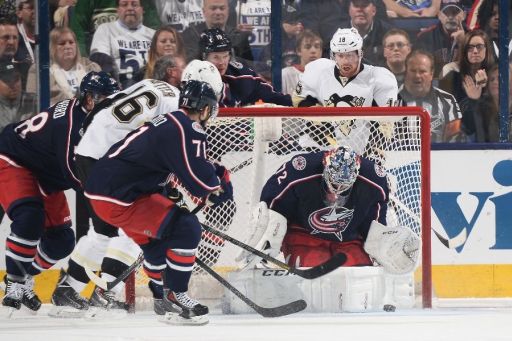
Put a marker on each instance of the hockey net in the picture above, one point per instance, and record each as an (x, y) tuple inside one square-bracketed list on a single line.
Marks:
[(254, 142)]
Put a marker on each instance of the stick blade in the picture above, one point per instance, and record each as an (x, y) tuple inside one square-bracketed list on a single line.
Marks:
[(317, 271), (287, 309)]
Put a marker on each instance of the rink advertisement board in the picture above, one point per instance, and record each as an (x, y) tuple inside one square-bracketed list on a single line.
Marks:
[(471, 197)]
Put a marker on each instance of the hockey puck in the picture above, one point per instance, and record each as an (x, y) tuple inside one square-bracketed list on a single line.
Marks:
[(389, 308)]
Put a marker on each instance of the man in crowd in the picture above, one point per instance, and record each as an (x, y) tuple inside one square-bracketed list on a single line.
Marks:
[(397, 47)]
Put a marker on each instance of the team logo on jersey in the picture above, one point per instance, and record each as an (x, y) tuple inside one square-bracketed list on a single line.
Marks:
[(236, 64), (198, 127), (346, 101), (331, 219), (298, 88), (380, 171), (299, 163)]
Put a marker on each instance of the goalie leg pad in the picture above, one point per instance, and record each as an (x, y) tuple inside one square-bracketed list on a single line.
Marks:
[(395, 248)]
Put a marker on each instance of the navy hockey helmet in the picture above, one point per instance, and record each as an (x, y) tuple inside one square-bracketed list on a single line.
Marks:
[(341, 168), (214, 40), (197, 95), (98, 84)]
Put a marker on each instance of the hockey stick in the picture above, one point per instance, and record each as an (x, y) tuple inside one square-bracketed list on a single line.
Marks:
[(282, 310), (333, 263), (104, 284)]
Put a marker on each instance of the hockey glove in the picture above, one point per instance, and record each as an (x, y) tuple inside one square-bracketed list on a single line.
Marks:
[(225, 192), (175, 195)]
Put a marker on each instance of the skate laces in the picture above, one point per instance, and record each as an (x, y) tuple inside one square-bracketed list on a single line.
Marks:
[(28, 287), (185, 300), (14, 290)]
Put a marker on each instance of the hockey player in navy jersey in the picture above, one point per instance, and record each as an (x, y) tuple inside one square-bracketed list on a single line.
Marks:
[(328, 202), (104, 247), (242, 86), (36, 166), (125, 190), (344, 80)]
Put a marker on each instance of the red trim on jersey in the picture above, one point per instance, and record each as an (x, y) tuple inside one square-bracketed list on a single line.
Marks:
[(379, 188), (293, 183), (262, 80), (185, 157)]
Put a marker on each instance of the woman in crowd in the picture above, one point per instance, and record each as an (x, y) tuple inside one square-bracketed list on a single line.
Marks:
[(166, 41), (67, 67), (468, 78)]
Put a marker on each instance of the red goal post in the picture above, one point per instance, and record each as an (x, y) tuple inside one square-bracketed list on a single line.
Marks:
[(254, 141)]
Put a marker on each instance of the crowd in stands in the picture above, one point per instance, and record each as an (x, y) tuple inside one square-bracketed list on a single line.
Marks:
[(443, 53)]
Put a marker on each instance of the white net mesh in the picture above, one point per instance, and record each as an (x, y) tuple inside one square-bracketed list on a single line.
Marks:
[(253, 148)]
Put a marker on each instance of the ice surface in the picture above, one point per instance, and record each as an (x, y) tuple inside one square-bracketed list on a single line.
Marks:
[(468, 322)]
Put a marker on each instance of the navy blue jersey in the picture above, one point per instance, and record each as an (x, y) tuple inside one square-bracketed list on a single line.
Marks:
[(242, 86), (297, 191), (142, 162), (45, 144)]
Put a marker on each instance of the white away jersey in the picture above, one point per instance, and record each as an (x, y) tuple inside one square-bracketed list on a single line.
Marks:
[(127, 111), (372, 86), (180, 14), (129, 48)]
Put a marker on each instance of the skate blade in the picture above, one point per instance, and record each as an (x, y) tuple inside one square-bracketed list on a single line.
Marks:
[(92, 313), (177, 320), (66, 312), (13, 313)]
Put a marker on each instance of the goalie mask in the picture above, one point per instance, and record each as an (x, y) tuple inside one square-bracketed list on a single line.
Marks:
[(197, 95), (97, 84), (341, 167), (203, 71)]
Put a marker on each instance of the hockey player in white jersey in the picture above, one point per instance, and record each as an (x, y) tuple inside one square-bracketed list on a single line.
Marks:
[(343, 80), (104, 247)]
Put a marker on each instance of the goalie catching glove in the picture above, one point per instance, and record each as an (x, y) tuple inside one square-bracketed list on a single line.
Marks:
[(225, 192), (395, 248), (269, 230)]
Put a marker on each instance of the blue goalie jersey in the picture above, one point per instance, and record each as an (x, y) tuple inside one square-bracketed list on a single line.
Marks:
[(297, 191), (45, 144), (141, 163)]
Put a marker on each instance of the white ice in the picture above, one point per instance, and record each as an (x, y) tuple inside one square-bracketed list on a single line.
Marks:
[(480, 320)]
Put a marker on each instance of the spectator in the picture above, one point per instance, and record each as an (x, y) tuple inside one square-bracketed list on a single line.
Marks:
[(397, 47), (121, 47), (8, 9), (67, 67), (412, 8), (309, 47), (467, 81), (180, 14), (13, 105), (26, 42), (444, 38), (362, 17), (166, 41), (61, 11), (253, 17), (8, 39), (169, 69), (487, 110), (89, 14), (417, 90), (216, 14), (242, 86)]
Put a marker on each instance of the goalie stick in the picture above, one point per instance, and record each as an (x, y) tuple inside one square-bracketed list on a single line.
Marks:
[(333, 263), (282, 310)]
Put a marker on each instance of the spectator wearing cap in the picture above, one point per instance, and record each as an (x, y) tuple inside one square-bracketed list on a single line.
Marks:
[(397, 47), (13, 106), (412, 8), (26, 42), (444, 38), (216, 13), (363, 18)]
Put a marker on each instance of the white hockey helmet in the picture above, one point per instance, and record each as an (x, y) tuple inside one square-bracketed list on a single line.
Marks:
[(204, 71), (346, 40)]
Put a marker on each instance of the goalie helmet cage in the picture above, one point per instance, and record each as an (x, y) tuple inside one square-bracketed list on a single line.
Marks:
[(253, 142)]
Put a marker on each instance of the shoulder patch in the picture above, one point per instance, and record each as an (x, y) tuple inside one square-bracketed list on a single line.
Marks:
[(236, 64), (299, 163), (198, 127), (380, 171)]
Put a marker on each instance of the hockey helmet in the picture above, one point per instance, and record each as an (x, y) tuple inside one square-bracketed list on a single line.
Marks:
[(214, 40), (98, 84), (341, 168), (204, 71), (346, 40), (197, 95)]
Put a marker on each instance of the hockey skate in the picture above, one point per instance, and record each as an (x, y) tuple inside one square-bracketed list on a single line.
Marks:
[(20, 293), (183, 310), (106, 300), (67, 302)]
